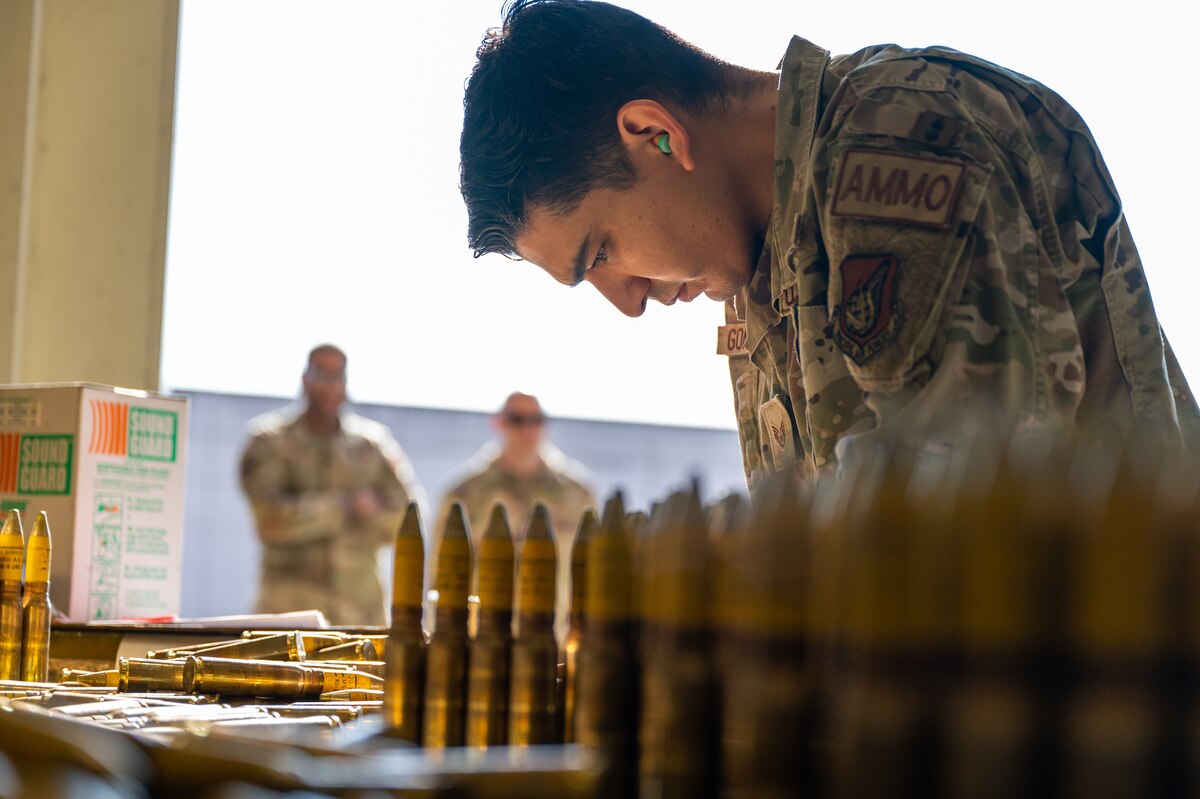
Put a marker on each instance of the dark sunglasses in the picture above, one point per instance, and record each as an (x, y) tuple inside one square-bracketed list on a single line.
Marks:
[(520, 419)]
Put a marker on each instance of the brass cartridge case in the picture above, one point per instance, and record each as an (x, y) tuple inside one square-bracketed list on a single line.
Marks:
[(367, 698), (376, 667), (362, 649), (405, 658), (444, 711), (678, 732), (35, 604), (533, 715), (229, 677), (607, 681), (281, 646), (12, 565), (177, 652), (575, 630), (313, 640), (147, 674), (491, 649), (1117, 629)]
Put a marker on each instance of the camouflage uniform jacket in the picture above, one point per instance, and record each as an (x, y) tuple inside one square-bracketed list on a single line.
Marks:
[(561, 487), (314, 553), (943, 230)]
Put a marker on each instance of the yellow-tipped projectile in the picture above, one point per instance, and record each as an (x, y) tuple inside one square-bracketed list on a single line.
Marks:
[(606, 686), (12, 566), (491, 649), (444, 709), (405, 650), (532, 717), (575, 632), (35, 604)]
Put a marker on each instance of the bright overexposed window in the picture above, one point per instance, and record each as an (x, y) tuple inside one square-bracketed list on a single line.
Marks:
[(314, 195)]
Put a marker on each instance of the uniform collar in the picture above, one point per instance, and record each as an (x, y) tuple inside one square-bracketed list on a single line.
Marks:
[(801, 79)]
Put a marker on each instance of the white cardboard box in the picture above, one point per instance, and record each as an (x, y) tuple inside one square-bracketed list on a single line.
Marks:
[(107, 466)]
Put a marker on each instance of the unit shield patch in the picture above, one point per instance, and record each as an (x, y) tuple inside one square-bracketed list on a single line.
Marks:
[(869, 314)]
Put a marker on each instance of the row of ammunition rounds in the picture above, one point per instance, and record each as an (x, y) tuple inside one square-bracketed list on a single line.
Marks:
[(1005, 619), (486, 677), (24, 600), (998, 622)]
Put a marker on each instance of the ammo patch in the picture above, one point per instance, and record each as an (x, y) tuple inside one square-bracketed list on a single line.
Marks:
[(917, 190), (869, 315)]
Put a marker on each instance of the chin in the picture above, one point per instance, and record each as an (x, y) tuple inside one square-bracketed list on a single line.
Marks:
[(722, 293)]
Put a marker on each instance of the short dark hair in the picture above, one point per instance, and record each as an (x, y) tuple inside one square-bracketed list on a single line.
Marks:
[(539, 124), (323, 349)]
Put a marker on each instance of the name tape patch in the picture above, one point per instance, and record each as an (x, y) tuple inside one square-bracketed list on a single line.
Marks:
[(731, 339), (917, 190)]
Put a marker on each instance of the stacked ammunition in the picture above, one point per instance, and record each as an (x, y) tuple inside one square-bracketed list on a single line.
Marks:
[(25, 600), (492, 676), (72, 741), (405, 673), (489, 673), (1003, 619), (1006, 619)]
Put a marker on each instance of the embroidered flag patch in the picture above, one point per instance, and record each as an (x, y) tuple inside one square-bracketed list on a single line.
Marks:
[(869, 315), (917, 190)]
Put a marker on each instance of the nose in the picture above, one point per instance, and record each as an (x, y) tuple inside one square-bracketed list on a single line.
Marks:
[(627, 293)]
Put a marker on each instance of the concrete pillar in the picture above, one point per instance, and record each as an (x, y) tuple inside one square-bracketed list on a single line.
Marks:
[(87, 102)]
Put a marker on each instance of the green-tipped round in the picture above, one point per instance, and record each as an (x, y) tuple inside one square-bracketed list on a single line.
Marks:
[(408, 573)]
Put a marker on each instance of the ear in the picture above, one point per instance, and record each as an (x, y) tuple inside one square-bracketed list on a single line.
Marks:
[(639, 122)]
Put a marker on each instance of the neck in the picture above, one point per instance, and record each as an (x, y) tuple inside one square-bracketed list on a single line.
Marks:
[(742, 134), (319, 423), (521, 464)]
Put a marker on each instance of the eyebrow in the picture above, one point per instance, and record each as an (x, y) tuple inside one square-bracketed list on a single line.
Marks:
[(581, 262)]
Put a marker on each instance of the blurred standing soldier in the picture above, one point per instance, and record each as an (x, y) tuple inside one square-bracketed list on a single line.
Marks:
[(523, 470), (328, 489)]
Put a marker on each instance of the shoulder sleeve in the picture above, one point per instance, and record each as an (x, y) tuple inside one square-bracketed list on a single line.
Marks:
[(898, 194)]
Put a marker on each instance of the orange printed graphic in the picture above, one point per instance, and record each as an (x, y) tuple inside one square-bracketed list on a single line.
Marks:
[(10, 455), (110, 428)]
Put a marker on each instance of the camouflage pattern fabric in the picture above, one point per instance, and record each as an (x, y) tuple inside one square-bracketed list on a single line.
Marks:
[(944, 230), (315, 554), (561, 487)]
